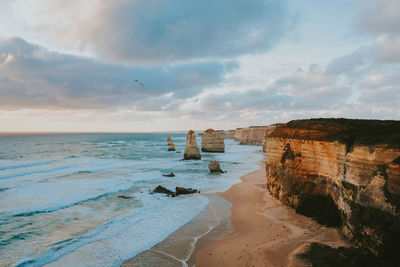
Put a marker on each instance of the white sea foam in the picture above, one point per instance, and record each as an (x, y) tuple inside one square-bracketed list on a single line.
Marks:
[(50, 191)]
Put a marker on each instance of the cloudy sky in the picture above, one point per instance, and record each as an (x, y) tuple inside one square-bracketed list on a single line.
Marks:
[(71, 65)]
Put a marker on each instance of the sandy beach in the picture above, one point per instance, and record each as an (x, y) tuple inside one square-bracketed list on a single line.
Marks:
[(265, 232), (244, 226)]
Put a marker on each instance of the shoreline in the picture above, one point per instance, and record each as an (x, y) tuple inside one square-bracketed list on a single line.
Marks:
[(265, 232), (181, 247), (260, 231)]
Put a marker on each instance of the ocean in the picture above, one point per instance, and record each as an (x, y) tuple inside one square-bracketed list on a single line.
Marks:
[(84, 199)]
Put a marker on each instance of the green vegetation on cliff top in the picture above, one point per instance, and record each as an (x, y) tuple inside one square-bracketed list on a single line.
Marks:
[(347, 131)]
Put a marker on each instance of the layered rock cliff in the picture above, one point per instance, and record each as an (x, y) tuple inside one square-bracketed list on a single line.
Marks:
[(212, 141), (254, 135), (342, 172), (228, 134)]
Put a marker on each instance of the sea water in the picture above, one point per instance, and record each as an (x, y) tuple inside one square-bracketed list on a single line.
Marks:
[(84, 199)]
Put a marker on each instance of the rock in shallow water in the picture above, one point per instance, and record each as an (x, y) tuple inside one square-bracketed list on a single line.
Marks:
[(178, 191), (169, 175), (214, 167), (163, 190), (185, 191)]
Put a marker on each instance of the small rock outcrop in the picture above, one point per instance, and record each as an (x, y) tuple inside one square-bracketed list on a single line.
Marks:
[(212, 141), (214, 167), (191, 151), (171, 146), (169, 175), (163, 190), (125, 197), (185, 191), (178, 191)]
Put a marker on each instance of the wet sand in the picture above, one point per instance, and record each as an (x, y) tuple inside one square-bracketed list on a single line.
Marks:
[(180, 248), (265, 232), (244, 226)]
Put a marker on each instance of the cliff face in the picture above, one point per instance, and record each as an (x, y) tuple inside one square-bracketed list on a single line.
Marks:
[(254, 135), (344, 173), (228, 134)]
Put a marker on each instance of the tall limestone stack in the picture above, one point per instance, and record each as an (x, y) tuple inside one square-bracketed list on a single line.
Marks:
[(191, 151), (171, 146), (212, 141)]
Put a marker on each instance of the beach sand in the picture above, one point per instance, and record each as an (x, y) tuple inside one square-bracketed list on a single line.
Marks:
[(265, 232), (244, 226), (180, 248)]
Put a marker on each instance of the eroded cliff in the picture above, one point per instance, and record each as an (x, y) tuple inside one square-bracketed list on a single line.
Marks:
[(254, 135), (342, 172)]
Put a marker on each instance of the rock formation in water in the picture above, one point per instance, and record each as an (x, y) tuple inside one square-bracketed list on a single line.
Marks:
[(212, 141), (162, 190), (185, 191), (171, 146), (178, 191), (341, 172), (191, 151), (214, 167), (169, 175)]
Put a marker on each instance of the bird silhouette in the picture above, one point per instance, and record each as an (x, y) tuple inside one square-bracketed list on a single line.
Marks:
[(195, 101), (139, 83)]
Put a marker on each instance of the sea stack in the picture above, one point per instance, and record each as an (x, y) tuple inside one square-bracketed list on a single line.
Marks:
[(212, 141), (214, 167), (171, 146), (191, 151)]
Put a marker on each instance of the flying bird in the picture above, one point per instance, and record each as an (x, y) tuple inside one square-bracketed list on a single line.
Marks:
[(140, 83), (195, 101)]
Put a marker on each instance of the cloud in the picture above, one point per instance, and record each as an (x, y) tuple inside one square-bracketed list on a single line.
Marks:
[(305, 89), (31, 76), (366, 79), (162, 30), (378, 17)]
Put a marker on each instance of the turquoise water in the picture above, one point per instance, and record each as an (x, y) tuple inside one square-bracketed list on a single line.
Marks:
[(60, 194)]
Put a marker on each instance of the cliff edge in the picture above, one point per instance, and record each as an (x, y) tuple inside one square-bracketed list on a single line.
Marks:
[(253, 135), (342, 172)]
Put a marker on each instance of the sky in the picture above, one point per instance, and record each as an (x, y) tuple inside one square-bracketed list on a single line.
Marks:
[(71, 65)]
